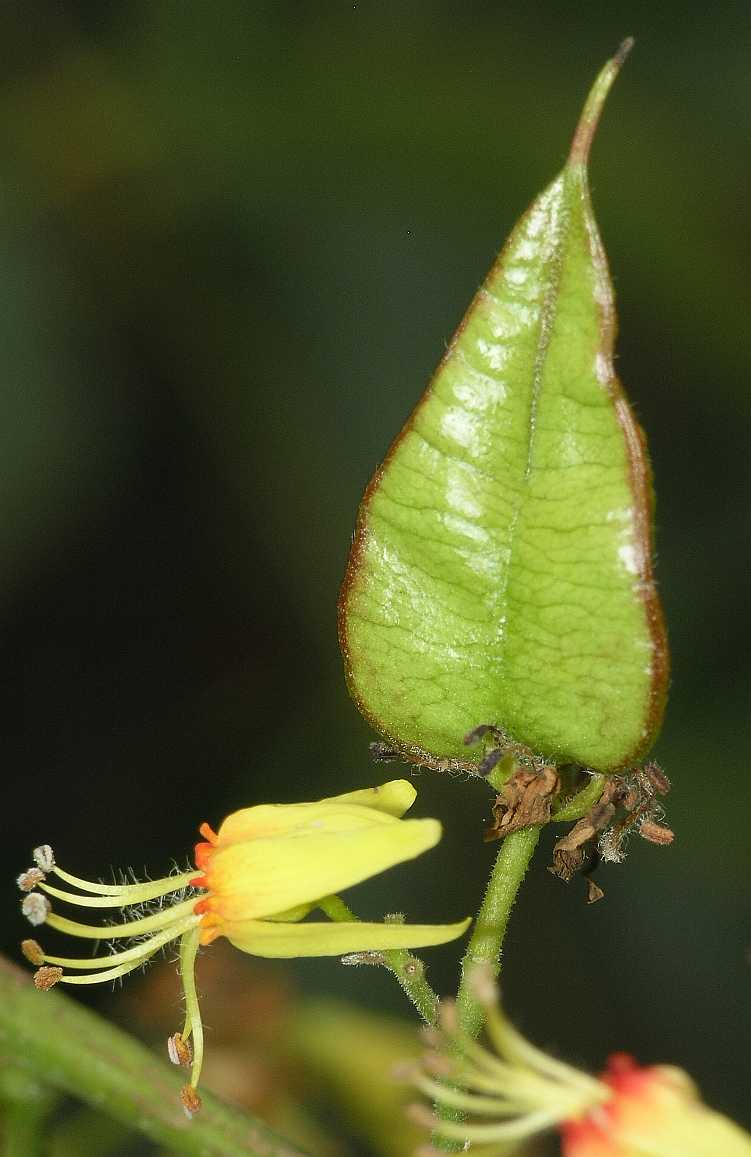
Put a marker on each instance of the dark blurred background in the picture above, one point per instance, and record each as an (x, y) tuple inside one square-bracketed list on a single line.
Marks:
[(235, 238)]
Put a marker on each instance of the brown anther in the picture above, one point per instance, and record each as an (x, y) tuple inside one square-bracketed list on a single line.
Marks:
[(657, 778), (656, 833), (36, 907), (630, 798), (47, 977), (594, 892), (189, 1099), (32, 951), (179, 1050), (29, 879)]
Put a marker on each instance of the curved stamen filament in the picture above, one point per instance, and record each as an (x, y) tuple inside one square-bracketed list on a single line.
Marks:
[(193, 1024), (485, 1106), (485, 1070), (515, 1130), (133, 894), (111, 973), (514, 1047), (136, 953), (146, 924), (97, 888), (525, 1090)]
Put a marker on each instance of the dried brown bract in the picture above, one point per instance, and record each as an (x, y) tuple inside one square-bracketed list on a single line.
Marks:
[(524, 801), (572, 850), (630, 799)]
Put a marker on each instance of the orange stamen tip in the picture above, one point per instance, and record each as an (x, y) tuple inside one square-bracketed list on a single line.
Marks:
[(179, 1050), (202, 854), (190, 1099), (202, 905), (47, 977), (32, 951), (208, 833)]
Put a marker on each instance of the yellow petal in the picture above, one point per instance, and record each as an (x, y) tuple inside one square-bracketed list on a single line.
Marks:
[(260, 938), (250, 823), (395, 797), (341, 845)]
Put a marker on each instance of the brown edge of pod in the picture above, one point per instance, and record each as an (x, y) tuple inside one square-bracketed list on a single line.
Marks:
[(640, 480)]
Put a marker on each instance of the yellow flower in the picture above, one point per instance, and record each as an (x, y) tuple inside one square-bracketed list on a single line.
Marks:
[(265, 869), (514, 1093)]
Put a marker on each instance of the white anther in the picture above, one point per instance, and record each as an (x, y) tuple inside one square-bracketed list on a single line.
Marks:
[(36, 908), (44, 857)]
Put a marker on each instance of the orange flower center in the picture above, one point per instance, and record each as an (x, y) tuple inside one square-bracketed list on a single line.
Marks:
[(635, 1095), (203, 907)]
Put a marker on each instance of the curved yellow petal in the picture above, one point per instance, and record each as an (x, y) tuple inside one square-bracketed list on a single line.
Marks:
[(343, 845), (395, 797), (250, 823), (260, 938)]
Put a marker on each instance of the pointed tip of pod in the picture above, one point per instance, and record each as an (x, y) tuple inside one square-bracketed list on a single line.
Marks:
[(587, 126)]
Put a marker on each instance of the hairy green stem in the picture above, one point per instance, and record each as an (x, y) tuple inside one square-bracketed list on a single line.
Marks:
[(72, 1049), (409, 970), (486, 941)]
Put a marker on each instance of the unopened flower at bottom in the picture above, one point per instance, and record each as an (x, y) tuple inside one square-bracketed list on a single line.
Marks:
[(514, 1092), (254, 881)]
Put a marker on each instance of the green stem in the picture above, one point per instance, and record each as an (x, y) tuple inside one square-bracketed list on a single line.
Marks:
[(486, 941), (409, 970), (582, 802), (74, 1050), (25, 1104), (21, 1132)]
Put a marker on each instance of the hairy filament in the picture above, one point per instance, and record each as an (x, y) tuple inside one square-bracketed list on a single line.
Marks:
[(514, 1047), (115, 889), (467, 1103), (111, 973), (154, 923), (128, 954), (507, 1131), (133, 894)]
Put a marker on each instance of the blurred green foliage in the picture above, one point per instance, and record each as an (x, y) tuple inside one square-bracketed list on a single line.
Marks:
[(235, 238)]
